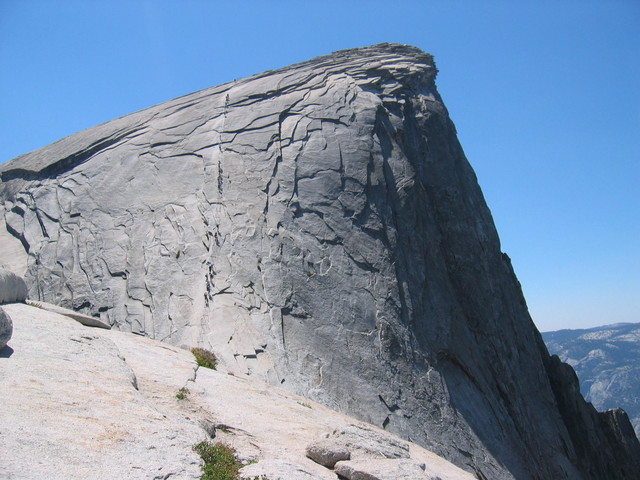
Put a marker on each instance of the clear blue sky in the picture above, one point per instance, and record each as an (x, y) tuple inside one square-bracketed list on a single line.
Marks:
[(545, 96)]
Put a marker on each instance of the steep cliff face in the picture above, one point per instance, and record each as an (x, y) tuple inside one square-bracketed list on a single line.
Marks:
[(604, 442), (607, 362), (319, 227)]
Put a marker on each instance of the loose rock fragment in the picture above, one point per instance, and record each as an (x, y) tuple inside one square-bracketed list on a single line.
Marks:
[(327, 452), (12, 287), (383, 469), (367, 442), (86, 320), (6, 328)]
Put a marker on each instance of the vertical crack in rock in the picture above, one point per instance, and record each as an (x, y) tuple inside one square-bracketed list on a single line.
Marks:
[(318, 227)]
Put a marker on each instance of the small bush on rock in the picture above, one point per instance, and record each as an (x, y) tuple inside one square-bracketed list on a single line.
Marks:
[(205, 358), (220, 462), (182, 393)]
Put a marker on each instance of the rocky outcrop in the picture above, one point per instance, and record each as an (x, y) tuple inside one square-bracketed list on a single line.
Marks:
[(6, 328), (383, 469), (327, 453), (80, 402), (356, 442), (78, 317), (72, 407), (607, 362), (318, 227), (593, 452), (12, 287)]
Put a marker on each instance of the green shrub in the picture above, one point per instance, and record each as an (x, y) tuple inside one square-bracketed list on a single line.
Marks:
[(182, 393), (205, 358), (220, 461)]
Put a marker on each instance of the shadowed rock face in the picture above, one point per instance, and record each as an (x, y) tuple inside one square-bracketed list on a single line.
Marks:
[(317, 226), (607, 362)]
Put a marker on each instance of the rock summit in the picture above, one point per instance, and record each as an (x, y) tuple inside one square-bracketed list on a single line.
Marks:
[(319, 228)]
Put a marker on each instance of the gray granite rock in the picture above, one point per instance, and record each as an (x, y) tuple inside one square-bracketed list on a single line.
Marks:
[(277, 470), (13, 256), (6, 328), (606, 429), (93, 403), (72, 407), (78, 317), (318, 227), (383, 469), (12, 287), (327, 452), (607, 362), (361, 441), (356, 441)]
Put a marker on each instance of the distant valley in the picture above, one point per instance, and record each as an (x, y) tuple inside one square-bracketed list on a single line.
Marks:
[(607, 361)]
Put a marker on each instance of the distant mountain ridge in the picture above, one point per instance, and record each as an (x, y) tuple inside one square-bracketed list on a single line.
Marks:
[(607, 361)]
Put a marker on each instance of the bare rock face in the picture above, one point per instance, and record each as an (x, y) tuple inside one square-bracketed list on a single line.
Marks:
[(319, 227), (78, 317), (82, 402), (358, 442), (327, 453), (278, 470), (366, 442), (383, 469), (607, 362), (6, 328), (72, 407), (12, 287), (605, 429)]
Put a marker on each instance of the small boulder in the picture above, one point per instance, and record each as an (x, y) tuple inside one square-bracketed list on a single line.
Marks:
[(383, 469), (367, 442), (327, 452), (12, 287), (6, 328)]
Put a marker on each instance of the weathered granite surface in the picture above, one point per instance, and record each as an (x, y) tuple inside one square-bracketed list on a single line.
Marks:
[(80, 402), (319, 227), (78, 317), (72, 407), (12, 287), (605, 443), (383, 469), (13, 257), (6, 328)]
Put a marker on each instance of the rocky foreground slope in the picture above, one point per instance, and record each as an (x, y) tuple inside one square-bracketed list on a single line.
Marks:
[(80, 402), (607, 362), (317, 227)]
